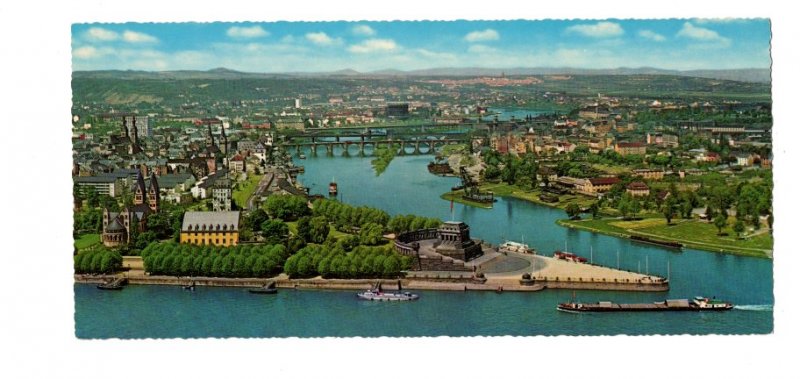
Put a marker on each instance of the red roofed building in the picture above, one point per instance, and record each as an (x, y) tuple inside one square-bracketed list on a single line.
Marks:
[(238, 163), (638, 189), (599, 185)]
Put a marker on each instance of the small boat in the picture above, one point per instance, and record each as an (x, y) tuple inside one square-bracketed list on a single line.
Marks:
[(267, 289), (697, 304), (333, 188), (376, 294), (302, 156), (189, 287), (113, 285)]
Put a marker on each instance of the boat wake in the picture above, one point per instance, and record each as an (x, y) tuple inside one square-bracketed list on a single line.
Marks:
[(760, 307)]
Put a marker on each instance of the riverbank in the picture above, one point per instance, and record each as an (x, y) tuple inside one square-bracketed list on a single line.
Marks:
[(693, 233), (704, 234), (541, 283)]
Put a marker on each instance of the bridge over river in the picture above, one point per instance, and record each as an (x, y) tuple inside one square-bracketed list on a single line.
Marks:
[(407, 141)]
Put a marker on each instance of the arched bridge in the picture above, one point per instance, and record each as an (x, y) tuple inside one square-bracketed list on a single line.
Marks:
[(368, 147)]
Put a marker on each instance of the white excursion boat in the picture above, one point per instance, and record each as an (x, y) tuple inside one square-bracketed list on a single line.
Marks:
[(376, 294), (515, 247)]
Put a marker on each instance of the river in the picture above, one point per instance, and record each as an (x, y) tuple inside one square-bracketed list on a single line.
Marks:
[(407, 187)]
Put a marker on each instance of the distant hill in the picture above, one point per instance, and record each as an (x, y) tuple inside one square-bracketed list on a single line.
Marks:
[(754, 75)]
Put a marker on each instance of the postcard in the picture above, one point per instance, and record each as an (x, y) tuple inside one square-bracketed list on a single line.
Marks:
[(422, 179)]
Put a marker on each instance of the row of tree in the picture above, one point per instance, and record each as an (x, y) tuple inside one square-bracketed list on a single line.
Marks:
[(334, 262), (242, 261), (97, 261), (346, 217)]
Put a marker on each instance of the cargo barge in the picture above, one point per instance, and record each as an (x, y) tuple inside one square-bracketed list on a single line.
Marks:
[(648, 240), (697, 304)]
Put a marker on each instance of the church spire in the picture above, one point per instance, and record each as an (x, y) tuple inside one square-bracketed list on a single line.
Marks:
[(210, 137)]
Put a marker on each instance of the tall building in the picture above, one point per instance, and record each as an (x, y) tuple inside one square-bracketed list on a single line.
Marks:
[(298, 103), (221, 193)]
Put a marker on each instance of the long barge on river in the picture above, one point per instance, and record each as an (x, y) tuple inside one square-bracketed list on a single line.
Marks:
[(652, 241), (697, 304)]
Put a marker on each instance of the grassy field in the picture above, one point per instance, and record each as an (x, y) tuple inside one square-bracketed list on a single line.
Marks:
[(87, 240), (245, 189), (692, 233)]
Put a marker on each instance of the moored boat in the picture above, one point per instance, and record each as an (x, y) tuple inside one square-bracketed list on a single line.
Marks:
[(515, 247), (652, 241), (563, 255), (113, 285), (376, 293), (267, 289)]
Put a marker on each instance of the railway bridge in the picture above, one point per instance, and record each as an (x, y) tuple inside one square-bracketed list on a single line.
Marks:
[(368, 146)]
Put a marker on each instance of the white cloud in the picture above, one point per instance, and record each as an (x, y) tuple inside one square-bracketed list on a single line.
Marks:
[(373, 45), (85, 52), (246, 32), (651, 35), (322, 39), (481, 49), (702, 34), (482, 35), (136, 37), (602, 29), (100, 34), (363, 30)]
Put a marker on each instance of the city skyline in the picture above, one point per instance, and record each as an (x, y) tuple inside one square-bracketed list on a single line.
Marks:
[(675, 44)]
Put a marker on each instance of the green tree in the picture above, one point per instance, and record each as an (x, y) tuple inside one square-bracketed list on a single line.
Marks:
[(319, 229), (669, 209), (304, 228), (391, 266), (287, 207), (594, 209), (275, 231), (720, 221), (739, 228), (634, 206), (133, 235), (372, 234), (255, 219), (573, 211)]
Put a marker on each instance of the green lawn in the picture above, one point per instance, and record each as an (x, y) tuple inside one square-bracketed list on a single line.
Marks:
[(693, 233), (245, 189), (86, 241)]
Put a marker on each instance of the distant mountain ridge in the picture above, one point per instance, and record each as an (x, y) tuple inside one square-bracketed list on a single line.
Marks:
[(756, 75)]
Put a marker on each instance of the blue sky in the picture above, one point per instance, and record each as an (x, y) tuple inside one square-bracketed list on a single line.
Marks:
[(683, 44)]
